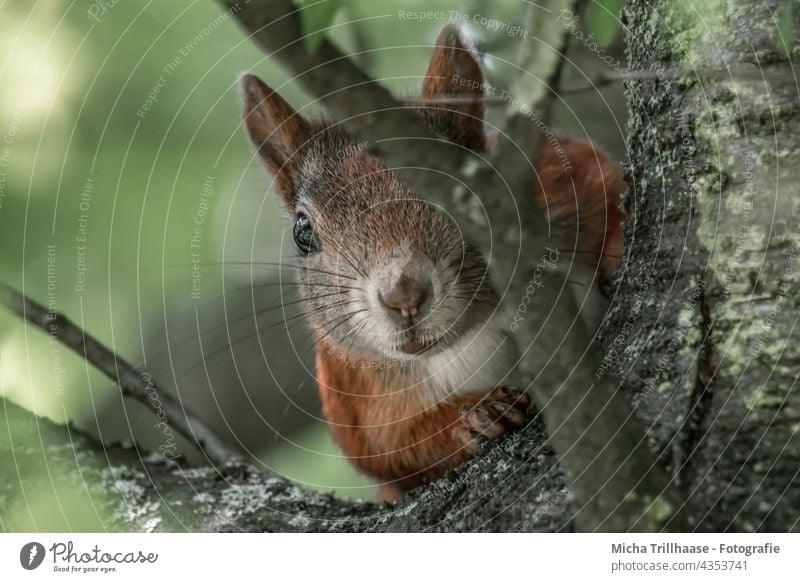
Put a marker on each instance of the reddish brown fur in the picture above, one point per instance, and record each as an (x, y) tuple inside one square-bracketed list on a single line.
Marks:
[(277, 130), (392, 432), (579, 189), (454, 61), (386, 421)]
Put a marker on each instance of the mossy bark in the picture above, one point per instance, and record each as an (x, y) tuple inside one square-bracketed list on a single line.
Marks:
[(702, 332), (701, 335), (514, 485)]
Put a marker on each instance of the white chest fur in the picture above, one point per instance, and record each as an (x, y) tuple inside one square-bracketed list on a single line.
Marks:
[(482, 359)]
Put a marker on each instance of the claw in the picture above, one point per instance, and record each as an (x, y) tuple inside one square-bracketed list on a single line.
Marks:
[(479, 420), (461, 435), (513, 416), (501, 410), (512, 395)]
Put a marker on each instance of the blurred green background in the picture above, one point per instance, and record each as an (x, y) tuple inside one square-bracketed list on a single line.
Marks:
[(126, 182)]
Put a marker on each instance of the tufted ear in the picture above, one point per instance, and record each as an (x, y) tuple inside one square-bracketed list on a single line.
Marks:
[(454, 71), (277, 131)]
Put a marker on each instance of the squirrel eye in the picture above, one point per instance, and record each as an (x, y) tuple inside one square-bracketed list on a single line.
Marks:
[(304, 235)]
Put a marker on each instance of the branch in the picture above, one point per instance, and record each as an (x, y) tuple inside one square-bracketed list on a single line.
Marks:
[(616, 481), (350, 95), (514, 487), (134, 383), (617, 486), (541, 64), (607, 78)]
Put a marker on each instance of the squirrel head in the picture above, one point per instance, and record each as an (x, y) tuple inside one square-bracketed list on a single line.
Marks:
[(382, 272)]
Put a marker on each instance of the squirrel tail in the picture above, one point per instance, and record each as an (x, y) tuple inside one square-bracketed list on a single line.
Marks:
[(579, 189), (576, 185)]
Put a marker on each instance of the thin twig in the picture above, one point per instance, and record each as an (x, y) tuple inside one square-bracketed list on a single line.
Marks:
[(521, 136), (609, 78), (348, 94), (133, 383), (614, 479)]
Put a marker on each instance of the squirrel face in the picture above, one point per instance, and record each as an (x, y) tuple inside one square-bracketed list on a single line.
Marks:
[(387, 273), (384, 273)]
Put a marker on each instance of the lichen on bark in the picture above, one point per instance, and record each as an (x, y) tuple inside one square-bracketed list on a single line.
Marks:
[(513, 485), (716, 166)]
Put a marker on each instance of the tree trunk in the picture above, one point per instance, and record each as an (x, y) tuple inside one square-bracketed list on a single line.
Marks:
[(700, 337), (702, 333)]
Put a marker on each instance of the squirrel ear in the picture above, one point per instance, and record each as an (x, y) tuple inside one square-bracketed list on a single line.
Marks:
[(454, 71), (277, 131)]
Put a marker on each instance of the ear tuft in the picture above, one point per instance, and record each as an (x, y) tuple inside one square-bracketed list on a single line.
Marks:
[(455, 71), (276, 130)]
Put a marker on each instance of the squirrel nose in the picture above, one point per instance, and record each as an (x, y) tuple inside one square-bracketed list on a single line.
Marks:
[(406, 298)]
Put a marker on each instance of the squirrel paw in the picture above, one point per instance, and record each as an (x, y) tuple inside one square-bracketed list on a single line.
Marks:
[(502, 410)]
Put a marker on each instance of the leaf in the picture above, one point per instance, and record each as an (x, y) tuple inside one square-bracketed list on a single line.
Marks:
[(603, 20), (315, 18)]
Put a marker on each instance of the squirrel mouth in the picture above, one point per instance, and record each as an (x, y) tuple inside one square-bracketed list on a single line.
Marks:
[(416, 347)]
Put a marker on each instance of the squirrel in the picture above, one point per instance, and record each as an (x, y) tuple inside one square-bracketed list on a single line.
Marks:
[(412, 367)]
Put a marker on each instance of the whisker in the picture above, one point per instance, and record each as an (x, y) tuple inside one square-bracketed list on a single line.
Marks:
[(357, 331), (303, 267), (230, 345), (350, 261), (255, 314), (290, 284), (205, 358), (324, 335), (322, 271), (263, 264), (299, 301), (296, 284), (341, 321)]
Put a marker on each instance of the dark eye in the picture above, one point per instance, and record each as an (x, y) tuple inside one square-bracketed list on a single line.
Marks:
[(304, 235)]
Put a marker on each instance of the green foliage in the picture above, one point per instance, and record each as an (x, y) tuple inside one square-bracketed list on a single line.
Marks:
[(322, 467), (37, 493), (315, 17), (73, 84), (603, 20)]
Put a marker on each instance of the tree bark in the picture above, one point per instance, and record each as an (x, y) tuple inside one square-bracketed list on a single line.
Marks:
[(514, 485), (700, 338), (702, 332)]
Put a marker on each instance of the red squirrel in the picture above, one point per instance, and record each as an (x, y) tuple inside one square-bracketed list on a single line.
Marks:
[(411, 365)]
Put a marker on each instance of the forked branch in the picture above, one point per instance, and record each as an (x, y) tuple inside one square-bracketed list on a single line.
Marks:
[(135, 384), (615, 480)]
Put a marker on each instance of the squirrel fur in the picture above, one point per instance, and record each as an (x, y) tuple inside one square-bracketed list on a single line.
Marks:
[(411, 364)]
